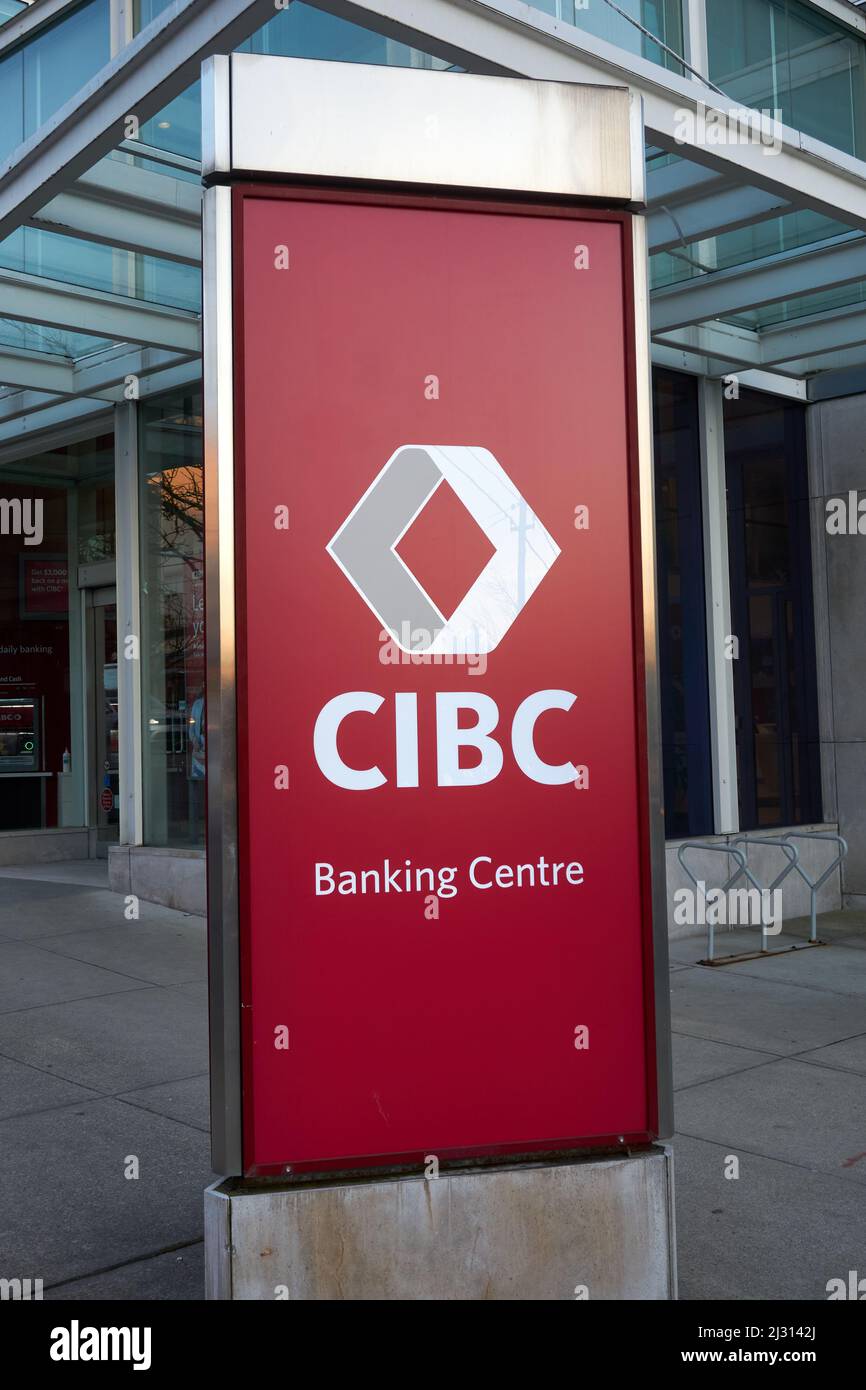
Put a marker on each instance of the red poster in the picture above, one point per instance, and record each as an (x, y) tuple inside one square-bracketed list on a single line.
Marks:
[(44, 585), (444, 885)]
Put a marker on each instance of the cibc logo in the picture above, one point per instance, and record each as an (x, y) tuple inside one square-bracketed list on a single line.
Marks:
[(365, 548)]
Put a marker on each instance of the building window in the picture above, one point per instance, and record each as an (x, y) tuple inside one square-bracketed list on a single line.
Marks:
[(775, 686), (682, 615), (42, 73), (56, 513), (786, 56), (172, 607), (632, 25)]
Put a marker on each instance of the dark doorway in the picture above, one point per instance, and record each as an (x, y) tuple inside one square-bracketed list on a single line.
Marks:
[(775, 685)]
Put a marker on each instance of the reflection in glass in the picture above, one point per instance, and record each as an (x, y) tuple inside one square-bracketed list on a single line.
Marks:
[(771, 599), (172, 567), (681, 618), (787, 56)]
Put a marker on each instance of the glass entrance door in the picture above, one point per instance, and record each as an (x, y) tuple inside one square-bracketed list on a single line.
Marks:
[(104, 777)]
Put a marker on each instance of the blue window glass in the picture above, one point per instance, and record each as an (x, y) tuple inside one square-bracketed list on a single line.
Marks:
[(47, 70), (685, 705), (782, 55), (632, 25), (775, 683)]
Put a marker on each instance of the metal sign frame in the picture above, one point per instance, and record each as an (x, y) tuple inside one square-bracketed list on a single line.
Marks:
[(575, 149)]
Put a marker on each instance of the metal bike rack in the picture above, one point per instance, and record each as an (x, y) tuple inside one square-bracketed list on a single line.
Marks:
[(815, 884), (791, 855), (743, 868), (782, 843)]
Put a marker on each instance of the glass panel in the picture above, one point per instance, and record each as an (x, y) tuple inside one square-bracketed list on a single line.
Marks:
[(788, 233), (54, 342), (781, 55), (96, 519), (173, 620), (146, 10), (775, 683), (49, 69), (817, 302), (681, 620), (52, 505), (10, 8), (177, 127), (766, 715), (662, 18), (106, 745), (303, 32), (34, 655), (73, 261)]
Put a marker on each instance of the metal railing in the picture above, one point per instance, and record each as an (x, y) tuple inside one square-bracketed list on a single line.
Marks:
[(742, 870)]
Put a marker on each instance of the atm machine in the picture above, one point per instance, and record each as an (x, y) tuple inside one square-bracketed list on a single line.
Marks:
[(22, 776)]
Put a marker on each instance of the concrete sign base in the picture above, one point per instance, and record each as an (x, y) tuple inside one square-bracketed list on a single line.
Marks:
[(593, 1229)]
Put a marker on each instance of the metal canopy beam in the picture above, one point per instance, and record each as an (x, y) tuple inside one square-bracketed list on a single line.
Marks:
[(104, 373), (161, 62), (36, 371), (731, 208), (63, 415), (684, 360), (25, 403), (722, 293), (731, 346), (102, 376), (814, 335), (77, 309), (117, 204), (828, 362), (795, 348), (24, 25), (163, 376)]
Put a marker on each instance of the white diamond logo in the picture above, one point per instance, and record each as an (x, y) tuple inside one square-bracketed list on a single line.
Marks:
[(365, 548)]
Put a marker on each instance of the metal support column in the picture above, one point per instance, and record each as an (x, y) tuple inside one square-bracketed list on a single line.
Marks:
[(718, 599), (128, 621)]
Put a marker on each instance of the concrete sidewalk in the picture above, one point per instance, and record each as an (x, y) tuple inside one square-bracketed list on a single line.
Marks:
[(103, 1060), (770, 1068)]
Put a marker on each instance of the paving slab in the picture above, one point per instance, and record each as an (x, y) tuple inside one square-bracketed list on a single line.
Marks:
[(697, 1059), (756, 1012), (87, 1215), (178, 1275), (194, 989), (114, 1042), (92, 872), (837, 967), (777, 1232), (24, 1089), (156, 953), (29, 919), (187, 1100), (849, 1055), (30, 977), (811, 1116)]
